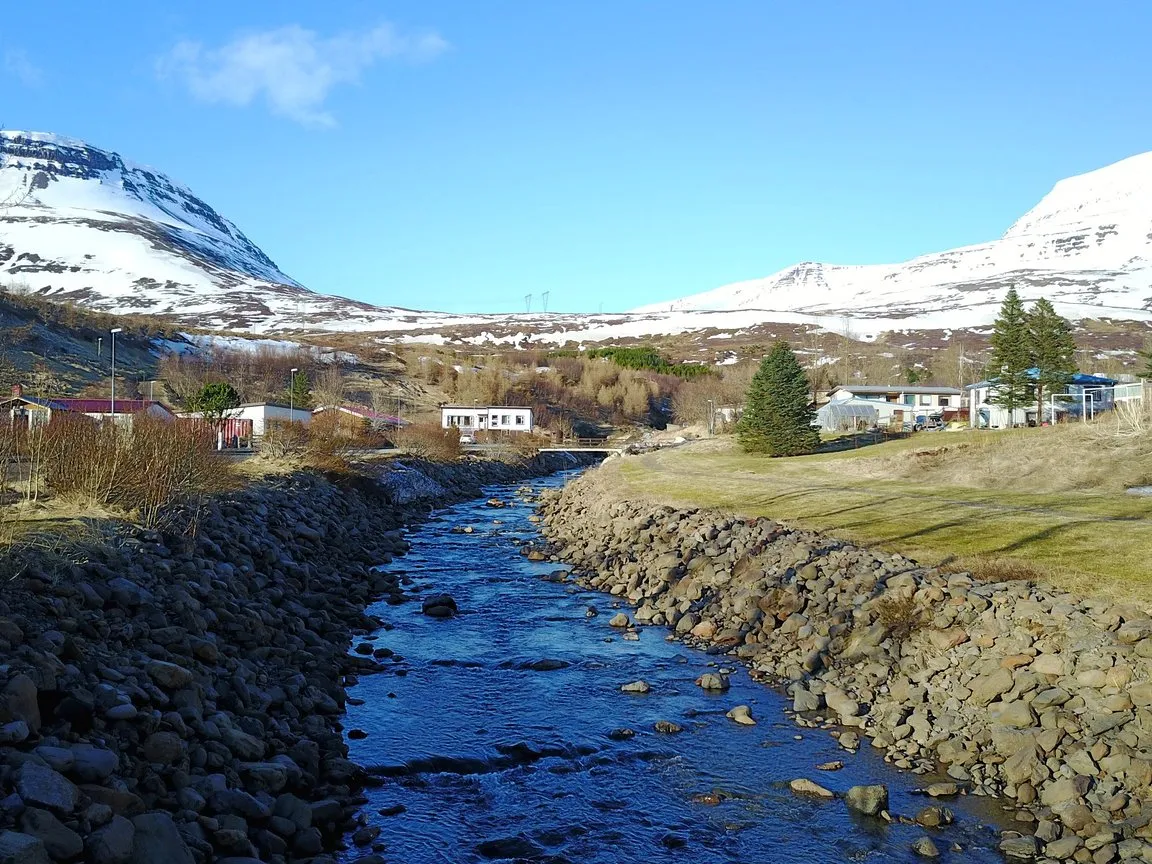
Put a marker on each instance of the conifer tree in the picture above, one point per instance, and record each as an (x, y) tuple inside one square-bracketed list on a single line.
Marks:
[(1011, 356), (299, 391), (778, 417), (1053, 352)]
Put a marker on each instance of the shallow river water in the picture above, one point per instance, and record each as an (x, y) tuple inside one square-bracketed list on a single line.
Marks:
[(478, 748)]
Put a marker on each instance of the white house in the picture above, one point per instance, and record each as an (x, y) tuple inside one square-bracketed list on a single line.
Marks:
[(492, 418), (1084, 397), (260, 413), (922, 399)]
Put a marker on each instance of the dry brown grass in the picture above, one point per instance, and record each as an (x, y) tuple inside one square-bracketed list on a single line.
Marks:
[(997, 569), (1106, 455)]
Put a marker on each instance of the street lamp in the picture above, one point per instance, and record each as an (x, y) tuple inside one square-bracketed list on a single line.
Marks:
[(114, 331), (292, 393), (711, 418)]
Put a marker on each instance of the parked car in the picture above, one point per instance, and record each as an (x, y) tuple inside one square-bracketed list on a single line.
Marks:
[(467, 438)]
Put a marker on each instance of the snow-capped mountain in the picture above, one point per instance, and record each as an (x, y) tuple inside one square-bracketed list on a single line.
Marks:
[(1087, 246), (81, 223)]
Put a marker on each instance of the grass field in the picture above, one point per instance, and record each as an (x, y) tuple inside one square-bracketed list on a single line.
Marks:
[(995, 503)]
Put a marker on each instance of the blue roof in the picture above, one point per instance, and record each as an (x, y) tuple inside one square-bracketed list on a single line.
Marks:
[(1079, 378)]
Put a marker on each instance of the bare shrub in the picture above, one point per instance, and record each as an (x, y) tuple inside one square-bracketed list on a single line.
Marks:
[(143, 470), (283, 439), (429, 441), (899, 615)]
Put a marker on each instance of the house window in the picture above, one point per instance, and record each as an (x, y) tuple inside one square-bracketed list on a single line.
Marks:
[(519, 419), (944, 403), (495, 420), (505, 419), (925, 400)]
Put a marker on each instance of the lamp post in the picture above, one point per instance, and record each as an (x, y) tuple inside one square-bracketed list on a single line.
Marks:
[(292, 394), (711, 418), (114, 331)]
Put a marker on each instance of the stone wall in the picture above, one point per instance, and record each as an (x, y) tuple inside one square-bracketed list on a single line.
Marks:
[(178, 699), (1012, 689)]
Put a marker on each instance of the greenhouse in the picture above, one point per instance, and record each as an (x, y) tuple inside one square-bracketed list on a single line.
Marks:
[(847, 415)]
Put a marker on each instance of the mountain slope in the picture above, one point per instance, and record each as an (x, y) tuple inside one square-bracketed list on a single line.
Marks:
[(1087, 246), (81, 223)]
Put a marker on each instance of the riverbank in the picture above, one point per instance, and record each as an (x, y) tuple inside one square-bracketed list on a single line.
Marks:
[(1046, 503), (1023, 692), (179, 698)]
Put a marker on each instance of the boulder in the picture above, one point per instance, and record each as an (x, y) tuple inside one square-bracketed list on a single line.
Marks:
[(869, 800), (61, 842), (169, 675), (113, 842), (635, 687), (925, 848), (742, 715), (158, 841), (40, 786), (440, 606), (20, 701), (17, 848), (713, 682), (803, 786)]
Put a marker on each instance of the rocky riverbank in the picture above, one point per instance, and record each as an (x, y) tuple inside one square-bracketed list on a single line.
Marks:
[(178, 699), (1014, 690)]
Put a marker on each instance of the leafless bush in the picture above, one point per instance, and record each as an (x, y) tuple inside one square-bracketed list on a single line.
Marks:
[(283, 439), (143, 469), (899, 615), (429, 441)]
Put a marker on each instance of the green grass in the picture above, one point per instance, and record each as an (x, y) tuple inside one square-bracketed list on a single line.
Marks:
[(1088, 541)]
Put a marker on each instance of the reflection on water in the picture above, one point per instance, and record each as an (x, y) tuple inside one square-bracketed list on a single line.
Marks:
[(495, 756)]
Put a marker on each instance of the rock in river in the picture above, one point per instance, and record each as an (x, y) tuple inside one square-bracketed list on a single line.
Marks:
[(712, 681), (741, 714), (635, 687), (803, 786), (440, 606), (869, 800)]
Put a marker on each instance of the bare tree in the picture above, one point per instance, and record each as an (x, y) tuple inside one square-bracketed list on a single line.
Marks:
[(329, 386)]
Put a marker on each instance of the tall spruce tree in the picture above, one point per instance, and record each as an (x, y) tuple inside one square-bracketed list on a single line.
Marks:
[(299, 391), (778, 417), (1053, 352), (1011, 356)]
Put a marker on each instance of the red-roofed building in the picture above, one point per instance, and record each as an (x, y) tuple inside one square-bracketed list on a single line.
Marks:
[(35, 411)]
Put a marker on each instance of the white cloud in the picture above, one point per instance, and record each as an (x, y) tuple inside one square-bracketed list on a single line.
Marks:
[(290, 68), (17, 64)]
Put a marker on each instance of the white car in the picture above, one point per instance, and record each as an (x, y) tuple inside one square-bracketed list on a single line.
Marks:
[(467, 438)]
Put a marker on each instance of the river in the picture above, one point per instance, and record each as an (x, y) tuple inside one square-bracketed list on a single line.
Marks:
[(491, 759)]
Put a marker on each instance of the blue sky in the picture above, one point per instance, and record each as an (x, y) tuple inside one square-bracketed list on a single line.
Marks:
[(460, 155)]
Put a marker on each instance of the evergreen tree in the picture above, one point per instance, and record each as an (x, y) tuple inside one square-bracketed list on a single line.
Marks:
[(778, 417), (299, 392), (1053, 350), (1146, 356), (1011, 356), (214, 401)]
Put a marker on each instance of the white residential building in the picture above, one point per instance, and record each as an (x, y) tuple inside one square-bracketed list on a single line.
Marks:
[(492, 418), (261, 413)]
